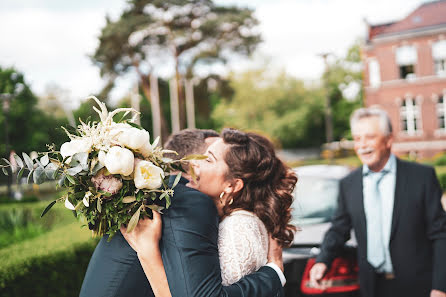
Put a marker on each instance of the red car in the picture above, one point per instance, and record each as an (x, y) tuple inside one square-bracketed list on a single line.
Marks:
[(314, 205)]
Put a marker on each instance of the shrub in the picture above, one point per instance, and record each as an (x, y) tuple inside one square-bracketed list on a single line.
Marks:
[(442, 180), (52, 264)]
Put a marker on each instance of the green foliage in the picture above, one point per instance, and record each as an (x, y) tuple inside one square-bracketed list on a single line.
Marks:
[(52, 264), (339, 75), (441, 160), (21, 221), (278, 105), (442, 179)]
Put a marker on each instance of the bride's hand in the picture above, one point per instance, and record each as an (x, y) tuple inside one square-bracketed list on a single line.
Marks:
[(146, 235), (275, 252)]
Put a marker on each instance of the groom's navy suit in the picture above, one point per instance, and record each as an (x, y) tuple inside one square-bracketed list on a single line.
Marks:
[(190, 257), (417, 235)]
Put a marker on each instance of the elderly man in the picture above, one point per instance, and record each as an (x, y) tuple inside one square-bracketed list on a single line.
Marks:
[(394, 209)]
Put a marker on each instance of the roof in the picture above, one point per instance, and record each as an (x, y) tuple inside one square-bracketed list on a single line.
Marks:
[(428, 15)]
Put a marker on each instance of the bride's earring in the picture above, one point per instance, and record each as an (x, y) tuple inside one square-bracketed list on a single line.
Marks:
[(222, 194), (231, 201)]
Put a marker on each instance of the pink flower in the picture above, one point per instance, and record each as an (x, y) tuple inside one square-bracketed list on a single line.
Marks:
[(108, 183)]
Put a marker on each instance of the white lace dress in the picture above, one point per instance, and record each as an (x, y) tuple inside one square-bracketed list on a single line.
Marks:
[(242, 245)]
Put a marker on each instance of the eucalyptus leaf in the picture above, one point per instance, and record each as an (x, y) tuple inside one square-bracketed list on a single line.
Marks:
[(28, 161), (155, 207), (5, 171), (62, 180), (48, 208), (29, 176), (82, 158), (134, 220), (162, 195), (39, 175), (50, 171), (75, 170), (18, 160), (19, 175), (96, 168), (168, 201), (45, 160), (177, 179), (128, 199), (195, 157), (6, 161)]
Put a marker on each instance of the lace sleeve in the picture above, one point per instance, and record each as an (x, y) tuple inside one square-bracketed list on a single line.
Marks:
[(242, 245)]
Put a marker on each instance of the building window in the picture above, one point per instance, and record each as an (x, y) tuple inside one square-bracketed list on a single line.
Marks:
[(406, 59), (410, 117), (374, 73), (441, 112), (439, 56)]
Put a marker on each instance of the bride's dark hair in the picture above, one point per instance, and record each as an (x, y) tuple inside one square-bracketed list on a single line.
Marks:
[(268, 182)]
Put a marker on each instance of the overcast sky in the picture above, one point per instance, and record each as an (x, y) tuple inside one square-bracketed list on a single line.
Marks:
[(49, 40)]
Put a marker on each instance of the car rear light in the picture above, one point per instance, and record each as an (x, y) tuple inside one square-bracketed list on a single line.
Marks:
[(342, 277)]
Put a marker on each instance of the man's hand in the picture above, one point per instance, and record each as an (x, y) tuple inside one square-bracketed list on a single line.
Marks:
[(437, 293), (275, 252), (316, 273)]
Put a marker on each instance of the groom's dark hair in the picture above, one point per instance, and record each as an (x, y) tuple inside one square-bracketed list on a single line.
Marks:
[(188, 141)]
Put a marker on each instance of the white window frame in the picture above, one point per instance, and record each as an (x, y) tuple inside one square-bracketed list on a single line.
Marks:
[(411, 112), (439, 57), (374, 73), (441, 111)]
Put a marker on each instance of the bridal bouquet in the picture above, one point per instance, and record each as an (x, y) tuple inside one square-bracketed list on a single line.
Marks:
[(113, 174)]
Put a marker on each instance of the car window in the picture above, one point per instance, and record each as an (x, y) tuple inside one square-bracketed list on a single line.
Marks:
[(315, 200)]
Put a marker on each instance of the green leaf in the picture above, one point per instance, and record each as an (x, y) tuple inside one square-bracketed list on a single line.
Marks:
[(168, 201), (48, 208), (195, 157), (5, 171), (71, 179), (135, 125), (45, 160), (155, 207), (98, 205), (29, 176), (28, 161), (62, 180), (128, 199), (177, 179), (18, 160), (6, 160), (19, 175), (162, 195), (134, 220)]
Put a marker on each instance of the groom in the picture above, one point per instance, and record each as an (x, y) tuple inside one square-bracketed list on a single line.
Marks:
[(188, 246)]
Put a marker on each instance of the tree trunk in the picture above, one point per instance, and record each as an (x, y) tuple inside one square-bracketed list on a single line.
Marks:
[(174, 106), (181, 103), (190, 104)]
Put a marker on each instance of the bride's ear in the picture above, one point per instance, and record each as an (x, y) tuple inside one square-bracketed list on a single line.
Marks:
[(236, 186)]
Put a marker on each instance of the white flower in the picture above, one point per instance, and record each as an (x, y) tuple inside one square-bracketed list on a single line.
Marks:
[(147, 175), (146, 150), (86, 199), (81, 145), (101, 157), (134, 138), (119, 161)]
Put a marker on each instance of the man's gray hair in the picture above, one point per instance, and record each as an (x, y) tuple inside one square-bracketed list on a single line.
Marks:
[(384, 119)]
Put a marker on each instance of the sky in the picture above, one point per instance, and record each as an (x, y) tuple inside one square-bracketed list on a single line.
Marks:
[(50, 40)]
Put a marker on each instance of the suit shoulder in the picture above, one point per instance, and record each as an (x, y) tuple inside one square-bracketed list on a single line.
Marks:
[(352, 176), (413, 166), (192, 199)]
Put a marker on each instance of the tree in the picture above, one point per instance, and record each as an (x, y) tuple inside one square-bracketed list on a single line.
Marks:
[(275, 104), (343, 83), (192, 34)]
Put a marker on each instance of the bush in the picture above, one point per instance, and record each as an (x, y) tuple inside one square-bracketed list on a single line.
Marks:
[(442, 180), (21, 221), (440, 160), (52, 264)]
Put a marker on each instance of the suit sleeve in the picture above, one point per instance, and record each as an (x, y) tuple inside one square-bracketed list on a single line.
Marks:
[(190, 254), (339, 232), (436, 230)]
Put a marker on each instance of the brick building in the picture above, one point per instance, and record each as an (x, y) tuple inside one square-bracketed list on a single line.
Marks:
[(405, 73)]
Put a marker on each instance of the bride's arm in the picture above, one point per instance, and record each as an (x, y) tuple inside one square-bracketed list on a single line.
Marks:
[(144, 239)]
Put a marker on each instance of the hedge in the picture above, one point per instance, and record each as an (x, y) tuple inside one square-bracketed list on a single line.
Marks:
[(52, 264)]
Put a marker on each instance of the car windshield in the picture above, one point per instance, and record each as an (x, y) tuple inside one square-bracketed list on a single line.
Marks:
[(315, 200)]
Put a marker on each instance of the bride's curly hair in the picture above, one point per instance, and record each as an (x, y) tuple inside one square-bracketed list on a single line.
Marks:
[(268, 182)]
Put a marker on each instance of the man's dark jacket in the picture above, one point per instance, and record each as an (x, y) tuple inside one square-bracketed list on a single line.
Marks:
[(190, 257), (418, 231)]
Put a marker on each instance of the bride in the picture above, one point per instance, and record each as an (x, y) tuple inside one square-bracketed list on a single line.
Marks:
[(252, 190)]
